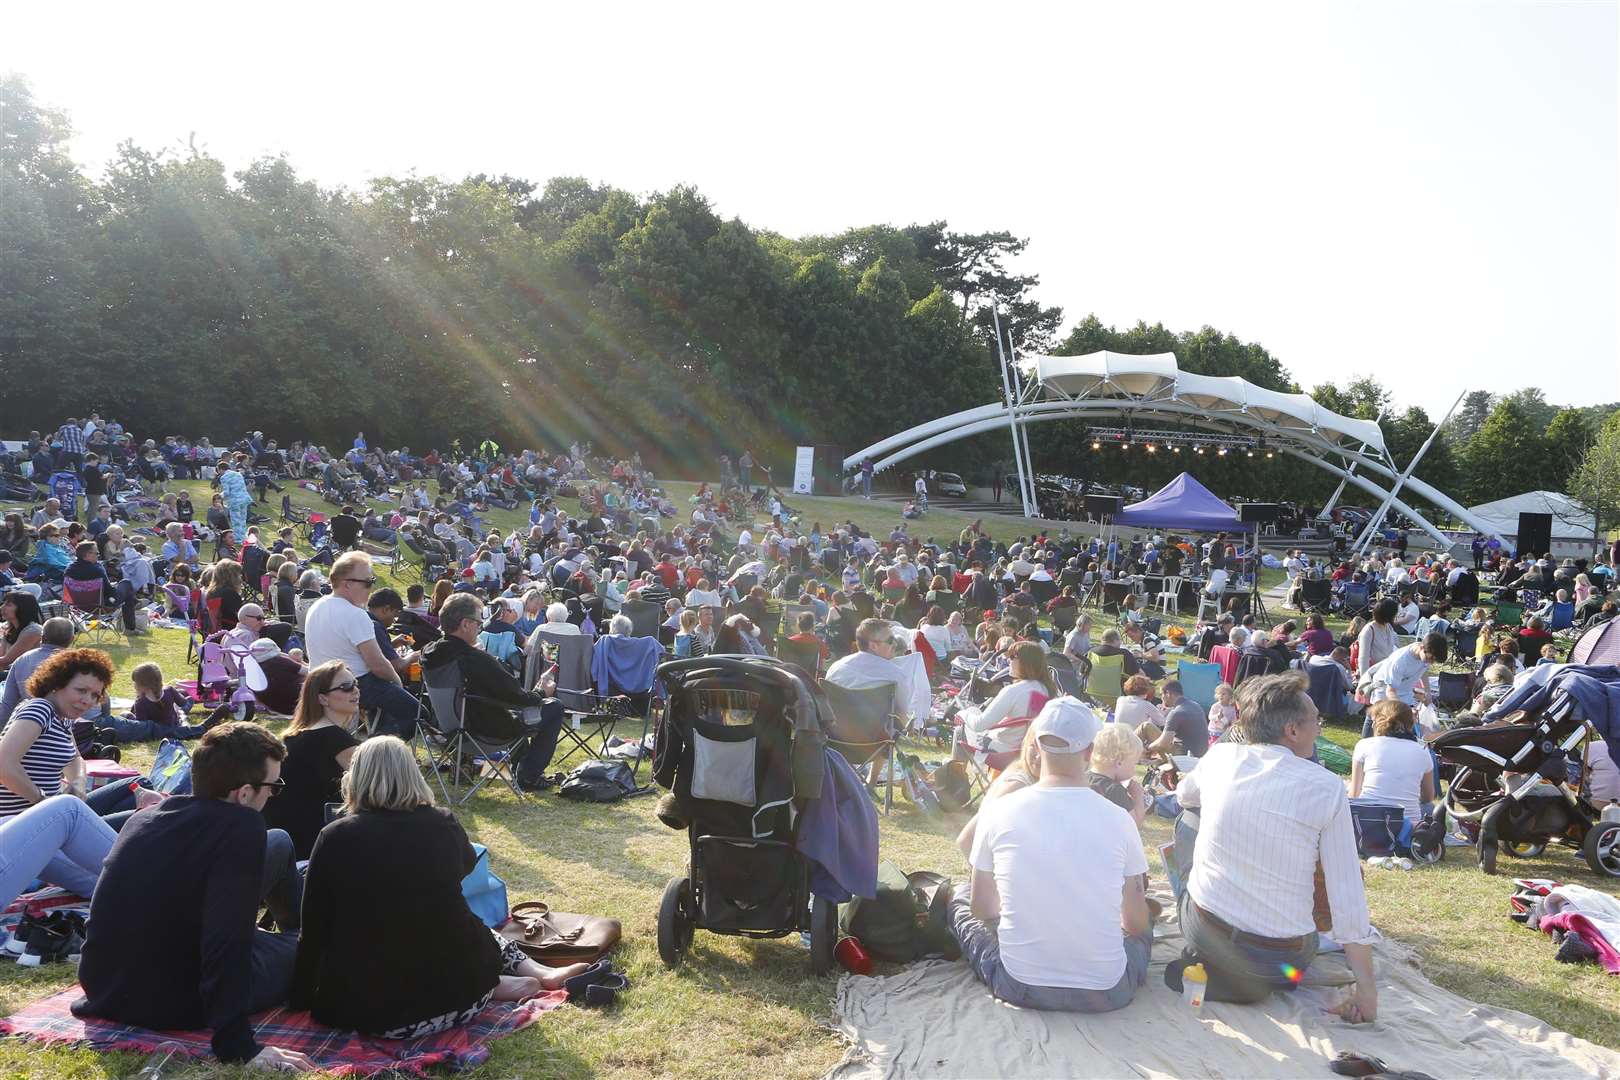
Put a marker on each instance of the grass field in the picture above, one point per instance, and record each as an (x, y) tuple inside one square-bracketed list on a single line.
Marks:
[(743, 1010)]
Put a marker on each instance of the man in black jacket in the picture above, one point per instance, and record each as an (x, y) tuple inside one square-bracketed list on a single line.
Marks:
[(171, 942), (497, 691)]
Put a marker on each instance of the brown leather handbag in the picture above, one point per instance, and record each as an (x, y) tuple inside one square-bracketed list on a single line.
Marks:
[(555, 938)]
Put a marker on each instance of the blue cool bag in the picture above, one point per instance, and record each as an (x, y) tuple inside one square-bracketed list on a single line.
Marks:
[(485, 893), (171, 772)]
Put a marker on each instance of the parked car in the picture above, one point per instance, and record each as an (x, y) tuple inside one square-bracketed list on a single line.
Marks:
[(947, 483)]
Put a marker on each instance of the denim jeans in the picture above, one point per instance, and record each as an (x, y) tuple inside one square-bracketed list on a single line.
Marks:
[(60, 840), (282, 888), (129, 729), (544, 726), (981, 948), (398, 705)]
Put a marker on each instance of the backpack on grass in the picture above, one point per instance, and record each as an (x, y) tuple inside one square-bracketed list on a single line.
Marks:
[(909, 919), (598, 781)]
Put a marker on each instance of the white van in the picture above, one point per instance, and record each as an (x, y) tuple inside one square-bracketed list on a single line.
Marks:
[(947, 483)]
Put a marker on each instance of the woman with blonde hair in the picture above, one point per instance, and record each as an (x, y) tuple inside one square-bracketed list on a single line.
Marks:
[(418, 962), (320, 745)]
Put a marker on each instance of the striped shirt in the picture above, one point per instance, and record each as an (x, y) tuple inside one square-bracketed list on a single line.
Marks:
[(44, 761), (1266, 816), (72, 438)]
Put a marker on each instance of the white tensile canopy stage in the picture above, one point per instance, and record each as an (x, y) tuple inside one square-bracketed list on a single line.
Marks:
[(1114, 385)]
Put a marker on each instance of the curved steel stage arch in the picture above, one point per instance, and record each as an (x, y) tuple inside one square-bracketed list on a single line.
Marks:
[(1106, 384)]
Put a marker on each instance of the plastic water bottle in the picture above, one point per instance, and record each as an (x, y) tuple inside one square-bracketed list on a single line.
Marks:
[(152, 1068)]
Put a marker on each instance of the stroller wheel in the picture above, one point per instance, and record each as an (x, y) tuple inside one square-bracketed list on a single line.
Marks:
[(1602, 848), (1524, 849), (675, 922), (1487, 856), (823, 934)]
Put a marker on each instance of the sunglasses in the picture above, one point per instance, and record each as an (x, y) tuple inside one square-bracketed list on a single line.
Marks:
[(342, 687), (275, 785), (368, 582)]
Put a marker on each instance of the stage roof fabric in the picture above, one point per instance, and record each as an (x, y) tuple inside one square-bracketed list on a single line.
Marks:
[(1183, 503), (1159, 378)]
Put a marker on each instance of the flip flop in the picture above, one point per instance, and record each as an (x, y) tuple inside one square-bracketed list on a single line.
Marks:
[(599, 996)]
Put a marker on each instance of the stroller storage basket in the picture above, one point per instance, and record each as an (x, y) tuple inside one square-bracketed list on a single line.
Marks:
[(753, 887)]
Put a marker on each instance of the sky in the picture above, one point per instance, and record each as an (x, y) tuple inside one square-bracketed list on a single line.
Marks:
[(1424, 192)]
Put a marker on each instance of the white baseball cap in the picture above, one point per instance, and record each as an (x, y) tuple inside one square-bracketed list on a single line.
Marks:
[(1066, 725)]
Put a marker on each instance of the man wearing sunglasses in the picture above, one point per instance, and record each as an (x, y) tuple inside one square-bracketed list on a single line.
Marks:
[(338, 627), (171, 942)]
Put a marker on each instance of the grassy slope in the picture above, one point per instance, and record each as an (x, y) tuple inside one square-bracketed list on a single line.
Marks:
[(739, 1007)]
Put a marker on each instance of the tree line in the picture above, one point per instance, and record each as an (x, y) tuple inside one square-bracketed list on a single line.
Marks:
[(180, 297)]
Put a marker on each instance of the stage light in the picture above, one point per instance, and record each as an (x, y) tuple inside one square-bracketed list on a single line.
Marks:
[(1198, 449), (1175, 449), (1221, 452), (1096, 446), (1152, 449), (1251, 453), (1268, 454)]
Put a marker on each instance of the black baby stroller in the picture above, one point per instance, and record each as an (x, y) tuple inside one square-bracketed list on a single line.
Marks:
[(740, 747), (1513, 790)]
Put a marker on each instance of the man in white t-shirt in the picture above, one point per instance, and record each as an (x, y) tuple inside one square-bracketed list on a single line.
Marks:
[(1057, 918), (338, 627)]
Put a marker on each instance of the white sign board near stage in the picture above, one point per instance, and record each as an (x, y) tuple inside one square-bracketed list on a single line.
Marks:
[(804, 462)]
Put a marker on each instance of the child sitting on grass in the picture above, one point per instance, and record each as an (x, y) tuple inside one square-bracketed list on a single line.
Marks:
[(1115, 753), (1223, 713), (157, 714)]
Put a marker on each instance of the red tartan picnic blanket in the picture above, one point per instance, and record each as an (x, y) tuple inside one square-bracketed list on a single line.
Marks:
[(345, 1053)]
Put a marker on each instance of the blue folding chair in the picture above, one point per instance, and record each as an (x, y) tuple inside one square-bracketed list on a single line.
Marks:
[(1198, 681)]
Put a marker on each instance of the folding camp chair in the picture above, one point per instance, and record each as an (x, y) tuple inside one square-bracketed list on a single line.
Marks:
[(806, 654), (1067, 678), (644, 615), (1316, 594), (1509, 614), (1198, 681), (863, 730), (1106, 681), (1250, 665), (1455, 691), (103, 623), (451, 747)]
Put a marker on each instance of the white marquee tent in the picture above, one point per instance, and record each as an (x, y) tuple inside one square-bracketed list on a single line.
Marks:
[(1574, 528)]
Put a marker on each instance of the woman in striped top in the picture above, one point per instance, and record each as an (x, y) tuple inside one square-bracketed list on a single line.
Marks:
[(38, 755)]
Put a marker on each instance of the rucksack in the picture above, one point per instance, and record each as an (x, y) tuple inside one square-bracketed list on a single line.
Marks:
[(907, 920), (598, 781)]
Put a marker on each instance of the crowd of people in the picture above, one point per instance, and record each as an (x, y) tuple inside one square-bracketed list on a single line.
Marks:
[(300, 606)]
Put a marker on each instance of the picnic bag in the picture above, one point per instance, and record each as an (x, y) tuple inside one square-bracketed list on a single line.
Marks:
[(598, 781), (555, 938), (171, 770), (485, 893), (907, 920)]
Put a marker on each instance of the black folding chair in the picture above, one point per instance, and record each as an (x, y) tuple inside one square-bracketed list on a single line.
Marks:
[(644, 615), (806, 654), (442, 732)]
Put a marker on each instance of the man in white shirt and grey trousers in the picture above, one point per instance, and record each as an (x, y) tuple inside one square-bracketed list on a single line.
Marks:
[(1266, 815)]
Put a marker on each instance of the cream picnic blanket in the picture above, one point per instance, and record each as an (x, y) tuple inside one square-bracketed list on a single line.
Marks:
[(936, 1020)]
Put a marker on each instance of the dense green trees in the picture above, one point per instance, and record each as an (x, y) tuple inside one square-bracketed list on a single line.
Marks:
[(178, 297)]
